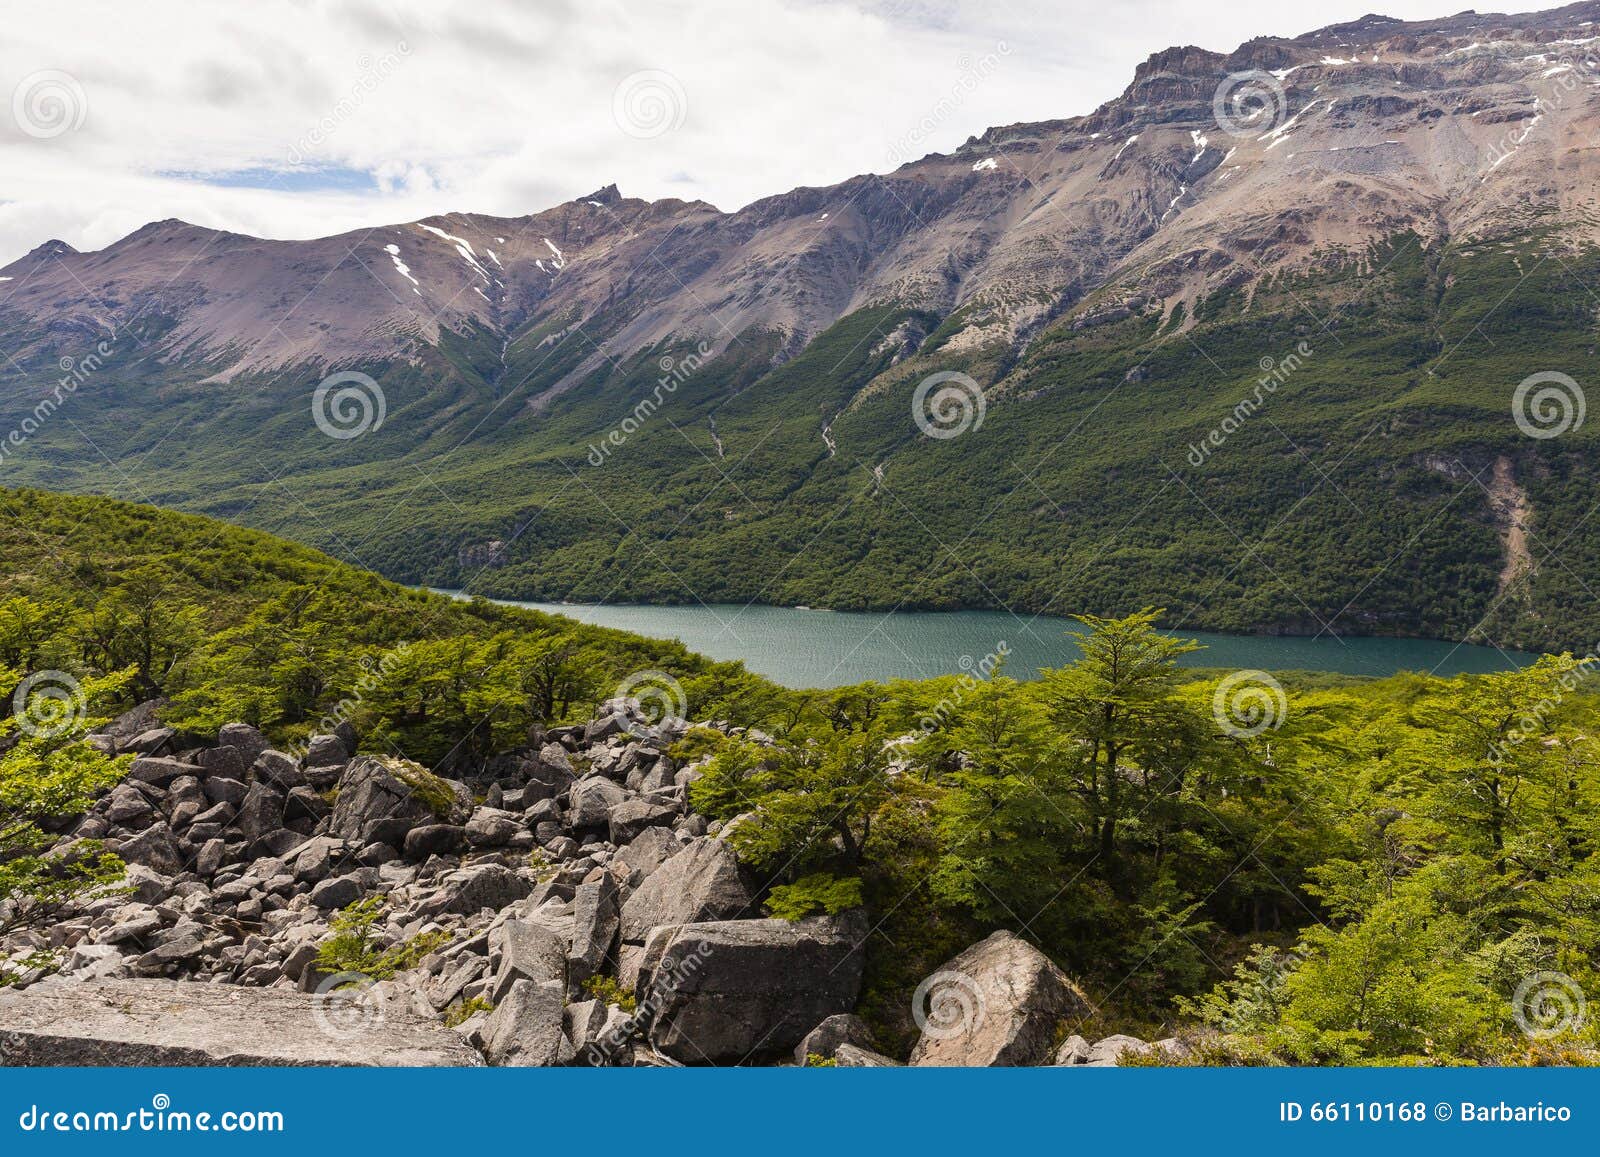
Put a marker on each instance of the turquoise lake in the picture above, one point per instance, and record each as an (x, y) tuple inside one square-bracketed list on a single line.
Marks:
[(809, 648)]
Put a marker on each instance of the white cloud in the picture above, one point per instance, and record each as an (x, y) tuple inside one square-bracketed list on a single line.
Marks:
[(504, 107)]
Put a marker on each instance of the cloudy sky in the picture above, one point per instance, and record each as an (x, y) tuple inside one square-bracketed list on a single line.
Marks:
[(297, 118)]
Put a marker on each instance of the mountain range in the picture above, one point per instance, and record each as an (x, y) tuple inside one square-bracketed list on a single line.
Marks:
[(1287, 339)]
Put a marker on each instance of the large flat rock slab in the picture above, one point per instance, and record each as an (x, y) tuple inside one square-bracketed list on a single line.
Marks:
[(171, 1022)]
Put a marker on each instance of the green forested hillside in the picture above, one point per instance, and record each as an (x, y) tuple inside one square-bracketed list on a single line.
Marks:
[(1358, 497), (235, 624)]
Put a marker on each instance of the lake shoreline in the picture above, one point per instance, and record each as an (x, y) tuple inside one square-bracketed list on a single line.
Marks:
[(817, 647)]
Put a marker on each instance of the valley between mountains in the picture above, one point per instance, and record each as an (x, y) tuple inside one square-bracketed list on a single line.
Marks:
[(1248, 350)]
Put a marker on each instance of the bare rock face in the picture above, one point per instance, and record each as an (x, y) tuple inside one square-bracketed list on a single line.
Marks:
[(595, 919), (531, 952), (525, 1030), (849, 1056), (997, 1003), (1385, 136), (735, 990), (376, 805), (165, 1023), (825, 1040), (700, 883)]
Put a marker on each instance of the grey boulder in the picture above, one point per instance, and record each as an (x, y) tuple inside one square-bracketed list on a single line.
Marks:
[(376, 805), (628, 819), (1073, 1051), (851, 1056), (525, 1029), (468, 890), (335, 892), (596, 916), (700, 883), (1000, 1002), (155, 848), (591, 803), (843, 1028), (729, 991), (529, 951), (246, 739), (1108, 1052)]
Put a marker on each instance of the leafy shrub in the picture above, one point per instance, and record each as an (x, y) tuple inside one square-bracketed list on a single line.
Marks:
[(47, 770), (463, 1011), (818, 892), (608, 989), (355, 945)]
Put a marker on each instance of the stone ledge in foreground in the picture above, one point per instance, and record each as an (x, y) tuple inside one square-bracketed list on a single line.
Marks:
[(169, 1022)]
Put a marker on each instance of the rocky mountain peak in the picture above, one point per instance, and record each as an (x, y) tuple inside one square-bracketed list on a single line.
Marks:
[(1351, 134)]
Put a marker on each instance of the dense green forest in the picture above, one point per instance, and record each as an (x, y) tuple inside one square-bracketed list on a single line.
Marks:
[(1394, 871), (1358, 495)]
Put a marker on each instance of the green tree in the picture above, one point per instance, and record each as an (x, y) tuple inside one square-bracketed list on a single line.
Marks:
[(48, 771), (1128, 732)]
